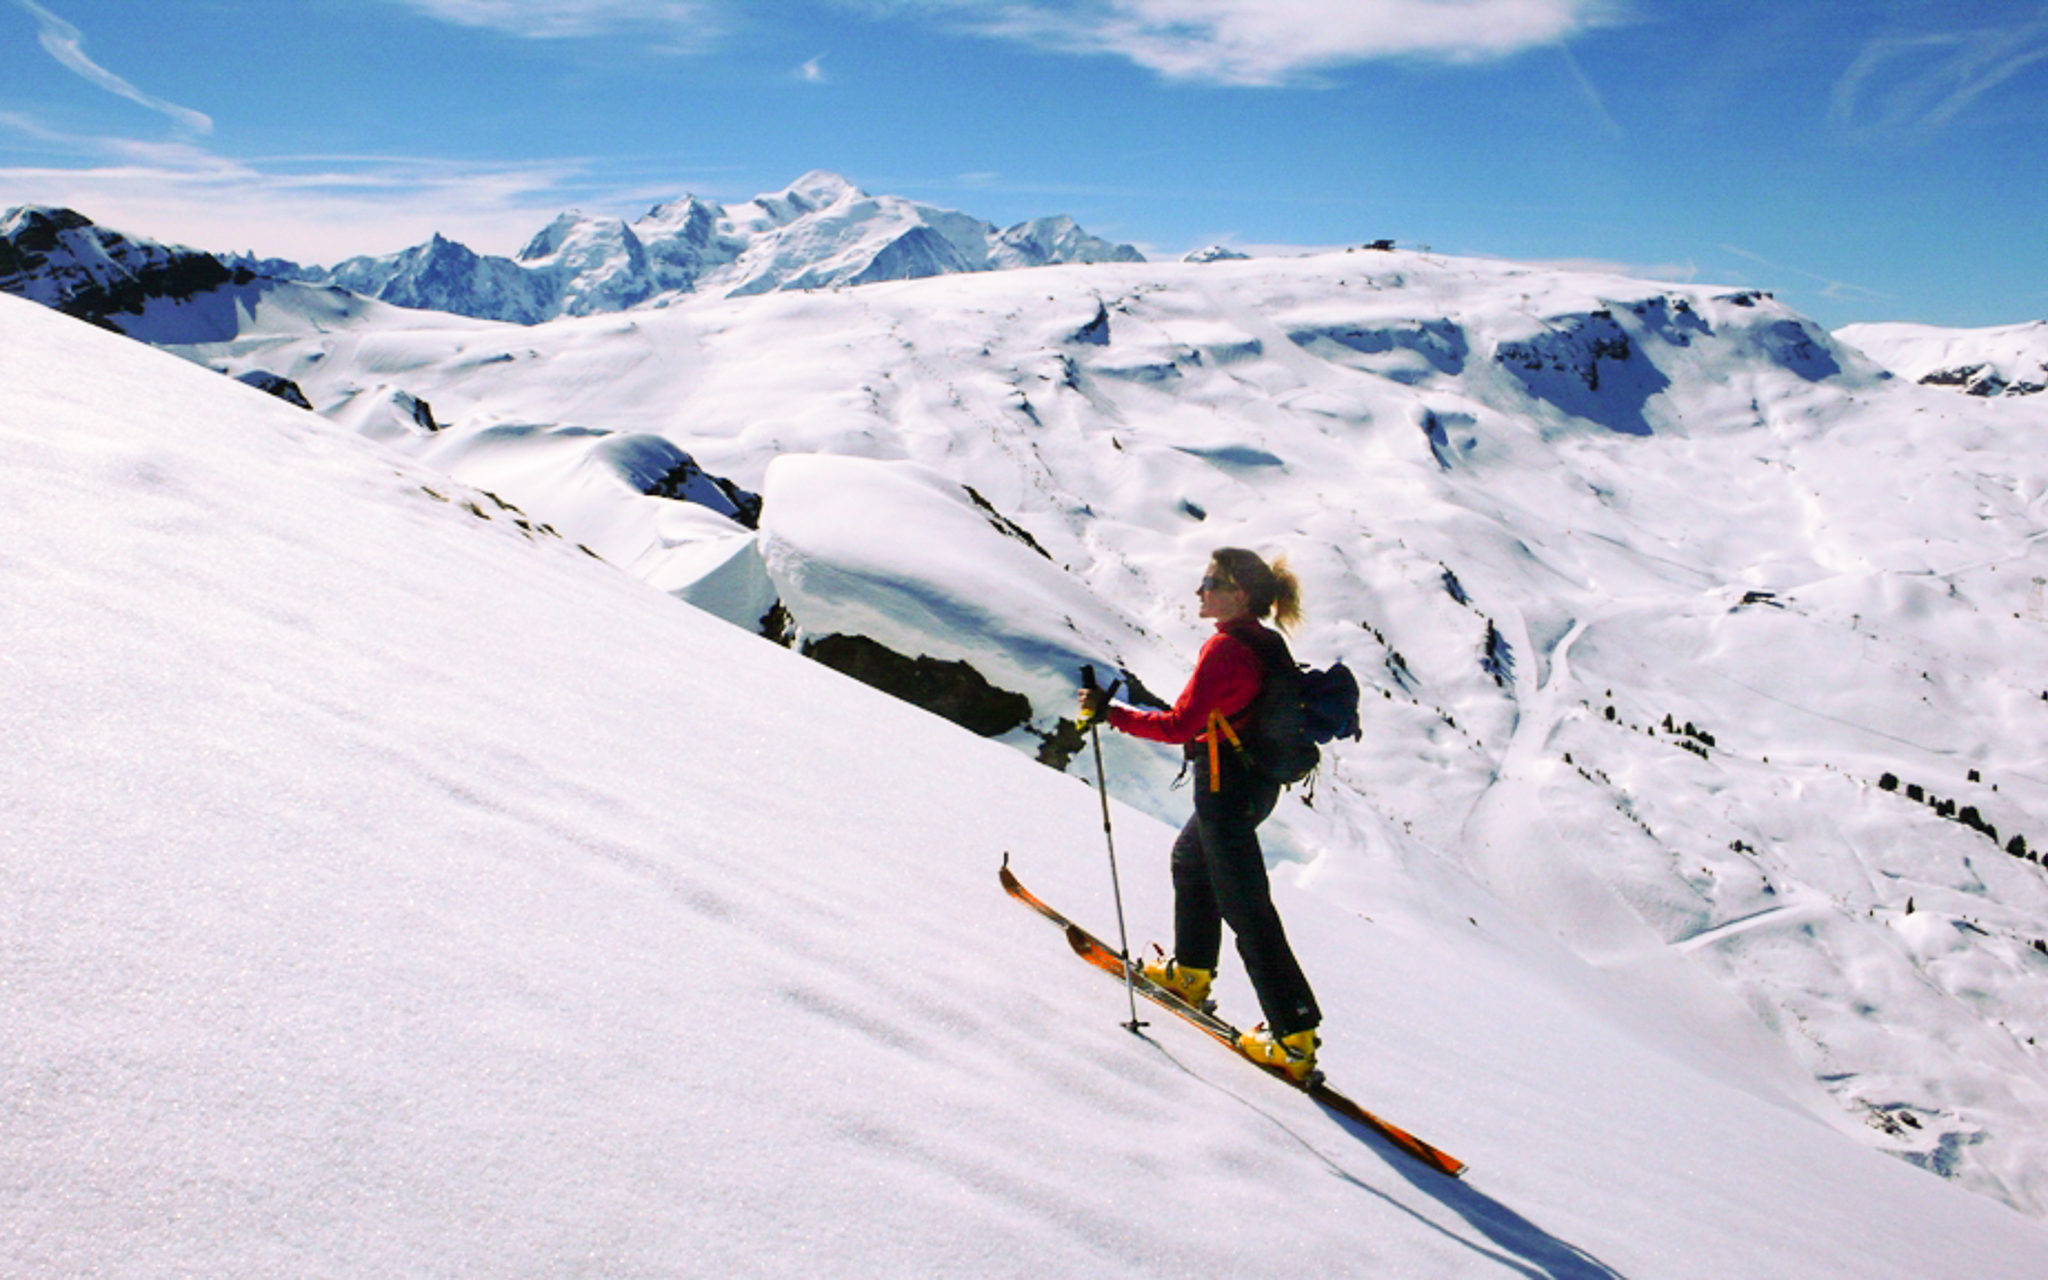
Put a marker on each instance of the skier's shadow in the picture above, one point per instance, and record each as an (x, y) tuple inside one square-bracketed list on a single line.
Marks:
[(1515, 1242), (1526, 1247)]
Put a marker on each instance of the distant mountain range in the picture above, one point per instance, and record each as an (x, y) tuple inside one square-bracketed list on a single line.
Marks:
[(820, 232)]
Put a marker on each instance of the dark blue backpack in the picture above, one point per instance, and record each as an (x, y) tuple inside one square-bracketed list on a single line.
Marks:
[(1298, 709)]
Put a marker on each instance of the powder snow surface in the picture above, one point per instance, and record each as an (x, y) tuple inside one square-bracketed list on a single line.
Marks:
[(393, 888), (1652, 587)]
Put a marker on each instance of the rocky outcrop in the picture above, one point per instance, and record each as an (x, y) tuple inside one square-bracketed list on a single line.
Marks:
[(1587, 366), (2003, 360), (273, 384), (954, 690), (65, 261), (1985, 380), (656, 467)]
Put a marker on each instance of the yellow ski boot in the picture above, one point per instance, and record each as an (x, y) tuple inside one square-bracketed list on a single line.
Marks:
[(1190, 984), (1292, 1055)]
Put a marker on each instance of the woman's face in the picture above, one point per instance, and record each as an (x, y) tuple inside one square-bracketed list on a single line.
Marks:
[(1221, 598)]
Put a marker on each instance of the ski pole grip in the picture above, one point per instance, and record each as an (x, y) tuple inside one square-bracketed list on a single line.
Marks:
[(1088, 676)]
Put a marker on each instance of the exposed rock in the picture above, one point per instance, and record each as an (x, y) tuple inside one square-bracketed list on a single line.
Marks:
[(283, 388), (62, 259), (953, 690), (777, 625), (1976, 380), (1003, 524), (1096, 332), (422, 412), (1586, 365), (657, 467)]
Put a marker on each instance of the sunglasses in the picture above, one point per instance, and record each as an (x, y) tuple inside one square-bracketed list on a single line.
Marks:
[(1213, 583)]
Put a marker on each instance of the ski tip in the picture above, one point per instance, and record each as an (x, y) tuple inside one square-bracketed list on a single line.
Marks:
[(1447, 1165)]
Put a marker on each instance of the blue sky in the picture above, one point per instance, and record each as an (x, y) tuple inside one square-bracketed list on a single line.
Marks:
[(1865, 159)]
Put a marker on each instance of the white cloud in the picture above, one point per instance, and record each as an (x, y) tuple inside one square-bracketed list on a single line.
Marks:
[(1267, 42), (813, 71), (310, 208), (66, 44), (1918, 84), (1591, 92), (1250, 42), (690, 25), (1830, 288)]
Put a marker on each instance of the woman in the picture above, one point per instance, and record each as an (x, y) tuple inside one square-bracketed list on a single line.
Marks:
[(1219, 872)]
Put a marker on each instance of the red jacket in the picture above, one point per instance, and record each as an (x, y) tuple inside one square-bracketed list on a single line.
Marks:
[(1228, 676)]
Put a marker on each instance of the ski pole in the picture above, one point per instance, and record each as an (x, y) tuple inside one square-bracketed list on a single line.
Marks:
[(1109, 837)]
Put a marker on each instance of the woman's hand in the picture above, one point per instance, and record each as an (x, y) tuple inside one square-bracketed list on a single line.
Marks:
[(1094, 705)]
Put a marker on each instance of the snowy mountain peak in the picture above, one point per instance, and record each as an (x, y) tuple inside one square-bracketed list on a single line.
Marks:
[(674, 214), (1056, 239), (33, 219), (548, 241), (814, 191), (596, 264)]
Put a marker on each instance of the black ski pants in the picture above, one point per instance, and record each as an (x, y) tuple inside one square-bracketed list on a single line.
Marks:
[(1219, 877)]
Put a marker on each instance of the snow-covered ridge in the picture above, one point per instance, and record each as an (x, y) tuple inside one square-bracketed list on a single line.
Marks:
[(2004, 360)]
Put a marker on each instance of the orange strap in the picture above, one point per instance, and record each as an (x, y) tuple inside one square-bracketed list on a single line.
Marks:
[(1219, 729)]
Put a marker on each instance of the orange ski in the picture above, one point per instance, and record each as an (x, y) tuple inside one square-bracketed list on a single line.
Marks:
[(1102, 956)]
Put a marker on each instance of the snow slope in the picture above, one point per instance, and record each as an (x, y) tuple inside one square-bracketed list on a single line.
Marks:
[(1707, 646), (393, 888), (2009, 360)]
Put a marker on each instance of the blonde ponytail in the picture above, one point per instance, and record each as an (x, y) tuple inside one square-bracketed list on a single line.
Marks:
[(1286, 596)]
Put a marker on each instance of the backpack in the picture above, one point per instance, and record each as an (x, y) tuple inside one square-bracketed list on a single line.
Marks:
[(1298, 708)]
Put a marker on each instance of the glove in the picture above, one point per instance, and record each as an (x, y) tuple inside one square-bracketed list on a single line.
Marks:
[(1094, 706)]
